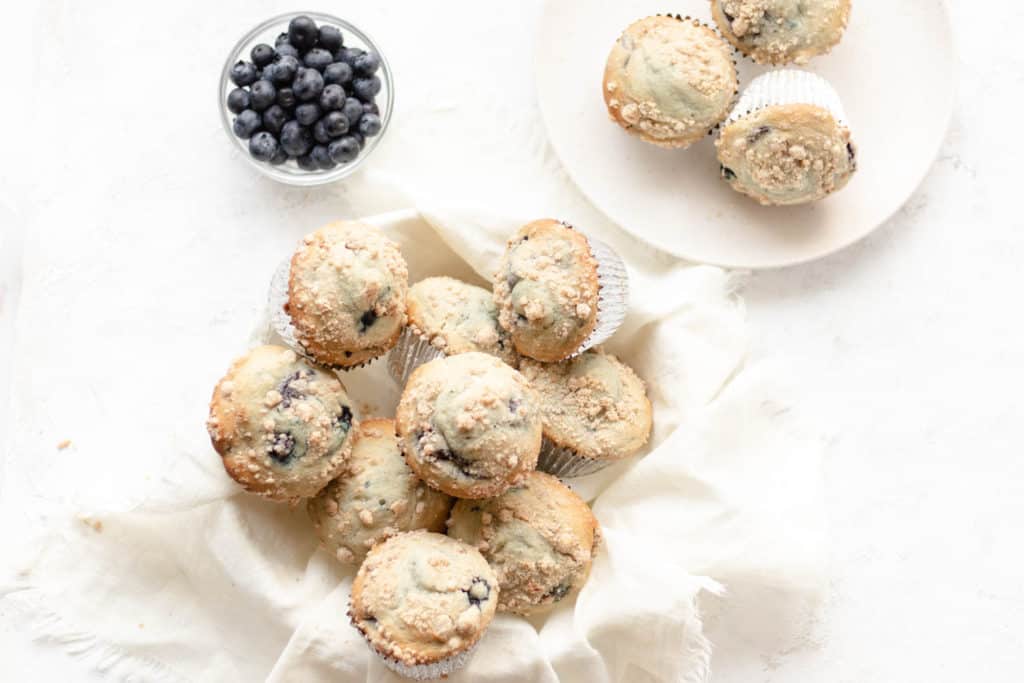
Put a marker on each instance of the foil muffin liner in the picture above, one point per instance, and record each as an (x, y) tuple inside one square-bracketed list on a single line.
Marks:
[(427, 672), (409, 353), (788, 86), (567, 463), (612, 295)]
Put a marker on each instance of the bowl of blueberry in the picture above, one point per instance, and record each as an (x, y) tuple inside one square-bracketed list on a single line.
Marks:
[(306, 97)]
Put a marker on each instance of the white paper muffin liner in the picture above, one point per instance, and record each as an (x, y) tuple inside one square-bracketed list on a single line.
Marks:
[(409, 353), (277, 297), (565, 463), (427, 672), (788, 86), (612, 294)]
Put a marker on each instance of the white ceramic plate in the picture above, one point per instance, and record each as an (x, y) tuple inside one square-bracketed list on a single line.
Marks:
[(894, 70)]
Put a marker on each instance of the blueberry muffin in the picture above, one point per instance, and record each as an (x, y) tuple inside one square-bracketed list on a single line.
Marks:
[(558, 292), (374, 498), (539, 538), (782, 31), (346, 294), (669, 80), (787, 142), (595, 412), (469, 425), (282, 426), (422, 601), (445, 317)]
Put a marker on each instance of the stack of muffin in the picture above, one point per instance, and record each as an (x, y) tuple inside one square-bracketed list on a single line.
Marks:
[(502, 390), (670, 80)]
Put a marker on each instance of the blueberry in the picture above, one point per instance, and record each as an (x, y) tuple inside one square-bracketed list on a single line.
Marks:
[(366, 64), (268, 73), (263, 146), (286, 50), (370, 125), (295, 138), (243, 73), (321, 157), (359, 137), (348, 55), (318, 59), (727, 173), (302, 32), (333, 97), (262, 94), (282, 39), (274, 118), (344, 150), (320, 132), (246, 123), (338, 72), (308, 84), (307, 113), (286, 98), (280, 157), (238, 99), (352, 110), (366, 320), (330, 38), (285, 70), (306, 163), (283, 447), (366, 88), (262, 55), (336, 124), (371, 108)]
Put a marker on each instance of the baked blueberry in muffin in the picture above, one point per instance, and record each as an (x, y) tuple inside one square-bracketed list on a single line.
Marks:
[(282, 426)]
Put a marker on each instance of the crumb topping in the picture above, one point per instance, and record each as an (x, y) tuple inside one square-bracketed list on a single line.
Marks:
[(539, 537), (421, 597), (281, 425), (469, 424), (787, 154), (456, 317), (593, 404), (346, 293), (375, 497), (782, 31), (546, 290), (669, 80)]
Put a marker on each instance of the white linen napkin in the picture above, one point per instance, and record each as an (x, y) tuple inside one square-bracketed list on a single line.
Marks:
[(161, 569)]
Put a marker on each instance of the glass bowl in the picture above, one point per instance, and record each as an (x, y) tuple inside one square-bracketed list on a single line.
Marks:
[(289, 172)]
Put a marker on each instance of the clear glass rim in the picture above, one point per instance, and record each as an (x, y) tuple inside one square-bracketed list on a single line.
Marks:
[(309, 178)]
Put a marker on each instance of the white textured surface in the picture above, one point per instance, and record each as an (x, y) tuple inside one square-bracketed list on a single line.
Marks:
[(915, 336)]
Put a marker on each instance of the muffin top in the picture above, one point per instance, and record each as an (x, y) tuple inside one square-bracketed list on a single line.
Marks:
[(469, 425), (282, 426), (669, 80), (539, 537), (375, 497), (346, 293), (781, 31), (456, 317), (421, 597), (593, 404), (786, 154), (546, 290)]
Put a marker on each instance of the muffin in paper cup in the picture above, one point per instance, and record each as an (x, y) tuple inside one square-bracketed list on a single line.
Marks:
[(451, 596), (594, 411), (669, 80), (340, 299), (787, 141), (558, 291), (445, 317)]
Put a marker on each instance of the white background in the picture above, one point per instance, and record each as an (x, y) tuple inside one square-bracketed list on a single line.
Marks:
[(913, 339)]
